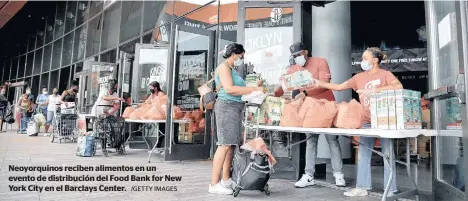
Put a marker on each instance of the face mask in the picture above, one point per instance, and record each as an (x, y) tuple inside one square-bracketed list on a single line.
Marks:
[(238, 61), (28, 92), (152, 91), (55, 92), (75, 90), (45, 92), (365, 66), (3, 92), (300, 60)]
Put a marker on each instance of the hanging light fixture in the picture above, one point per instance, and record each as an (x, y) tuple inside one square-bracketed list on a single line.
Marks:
[(50, 28), (82, 6), (59, 22), (70, 15)]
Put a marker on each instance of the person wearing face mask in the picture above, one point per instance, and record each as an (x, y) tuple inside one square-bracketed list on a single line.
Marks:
[(319, 69), (41, 102), (3, 105), (69, 96), (28, 92), (372, 80), (228, 116), (107, 96), (155, 90), (51, 103)]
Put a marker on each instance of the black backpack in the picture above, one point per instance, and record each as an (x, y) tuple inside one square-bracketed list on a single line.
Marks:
[(8, 115)]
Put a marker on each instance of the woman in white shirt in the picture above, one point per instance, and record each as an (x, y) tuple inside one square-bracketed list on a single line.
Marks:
[(51, 103), (106, 97)]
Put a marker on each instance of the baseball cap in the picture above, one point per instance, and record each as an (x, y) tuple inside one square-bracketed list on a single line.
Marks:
[(296, 48)]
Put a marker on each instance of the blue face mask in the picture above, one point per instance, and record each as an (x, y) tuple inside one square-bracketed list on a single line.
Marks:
[(365, 66)]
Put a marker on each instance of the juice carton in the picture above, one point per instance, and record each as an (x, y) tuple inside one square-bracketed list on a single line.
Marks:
[(391, 109), (251, 80), (403, 109), (383, 112), (416, 109), (297, 80), (373, 110), (453, 114)]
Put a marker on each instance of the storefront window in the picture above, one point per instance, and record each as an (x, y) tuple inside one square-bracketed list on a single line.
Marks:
[(109, 57), (82, 13), (47, 58), (67, 49), (111, 26), (79, 67), (70, 16), (80, 43), (60, 19), (268, 35), (49, 31), (31, 42), (6, 71), (152, 13), (29, 63), (21, 66), (57, 54), (54, 75), (14, 69), (96, 7), (64, 78), (151, 68), (38, 62), (45, 81), (130, 23), (35, 86), (94, 36)]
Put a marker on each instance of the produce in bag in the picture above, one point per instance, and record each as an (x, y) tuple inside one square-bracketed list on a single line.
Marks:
[(297, 80), (317, 113), (153, 113), (127, 112), (176, 112), (290, 116), (273, 109), (349, 115), (193, 127), (140, 112), (197, 115), (188, 116)]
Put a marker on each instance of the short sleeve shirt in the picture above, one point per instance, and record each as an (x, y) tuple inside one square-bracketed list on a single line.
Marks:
[(366, 80), (319, 69)]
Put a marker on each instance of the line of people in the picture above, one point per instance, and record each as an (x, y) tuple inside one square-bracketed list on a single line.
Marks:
[(229, 106)]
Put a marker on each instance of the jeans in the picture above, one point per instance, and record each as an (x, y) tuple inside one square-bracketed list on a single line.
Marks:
[(364, 179), (24, 123), (311, 153)]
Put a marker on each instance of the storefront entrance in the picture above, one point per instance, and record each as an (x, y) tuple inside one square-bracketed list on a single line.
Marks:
[(448, 60)]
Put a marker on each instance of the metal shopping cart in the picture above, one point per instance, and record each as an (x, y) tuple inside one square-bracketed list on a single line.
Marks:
[(110, 131), (65, 123)]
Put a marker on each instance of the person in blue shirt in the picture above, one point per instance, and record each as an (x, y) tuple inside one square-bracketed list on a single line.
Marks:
[(41, 103), (228, 116)]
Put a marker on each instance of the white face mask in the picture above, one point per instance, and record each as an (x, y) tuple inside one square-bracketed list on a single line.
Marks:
[(28, 92), (238, 62), (300, 60), (3, 92), (366, 65), (45, 92)]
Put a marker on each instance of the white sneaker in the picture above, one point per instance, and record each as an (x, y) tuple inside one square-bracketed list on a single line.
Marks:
[(228, 184), (356, 193), (306, 180), (219, 189), (339, 179)]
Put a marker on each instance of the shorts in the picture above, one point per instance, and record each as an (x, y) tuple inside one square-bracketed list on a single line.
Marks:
[(50, 118), (228, 116)]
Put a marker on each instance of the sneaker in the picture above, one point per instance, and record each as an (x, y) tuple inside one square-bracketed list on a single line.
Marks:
[(339, 179), (306, 180), (356, 193), (219, 189), (227, 184)]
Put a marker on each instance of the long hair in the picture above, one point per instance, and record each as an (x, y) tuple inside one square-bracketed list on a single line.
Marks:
[(156, 85)]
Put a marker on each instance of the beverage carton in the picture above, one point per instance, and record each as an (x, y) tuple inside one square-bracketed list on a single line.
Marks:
[(403, 109), (391, 109), (416, 109), (383, 111), (453, 114), (297, 80), (373, 110), (251, 80)]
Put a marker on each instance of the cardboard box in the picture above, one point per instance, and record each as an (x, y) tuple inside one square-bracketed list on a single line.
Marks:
[(416, 109), (403, 108), (182, 128), (188, 137), (391, 109), (383, 111), (373, 110), (453, 114), (426, 117)]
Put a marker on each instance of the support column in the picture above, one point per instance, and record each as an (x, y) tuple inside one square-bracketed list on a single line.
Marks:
[(331, 39)]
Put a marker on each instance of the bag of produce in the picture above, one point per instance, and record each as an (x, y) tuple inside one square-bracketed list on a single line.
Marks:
[(127, 112), (140, 112), (290, 116), (317, 113), (349, 115)]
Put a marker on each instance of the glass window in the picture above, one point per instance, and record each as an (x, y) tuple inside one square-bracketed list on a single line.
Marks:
[(147, 38), (110, 27), (82, 14), (31, 42), (45, 81), (35, 86), (60, 19), (22, 64), (49, 32), (14, 68), (67, 49), (153, 9), (64, 78), (54, 77), (47, 58), (80, 43), (79, 67), (40, 38), (130, 20), (109, 57), (94, 36), (38, 62), (130, 46), (162, 31), (7, 70), (70, 17), (29, 63), (95, 8), (57, 53)]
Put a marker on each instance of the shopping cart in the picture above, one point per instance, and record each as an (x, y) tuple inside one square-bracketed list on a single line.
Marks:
[(65, 121), (110, 131)]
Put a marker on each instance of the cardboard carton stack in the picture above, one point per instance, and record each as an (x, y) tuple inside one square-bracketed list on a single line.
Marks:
[(396, 109)]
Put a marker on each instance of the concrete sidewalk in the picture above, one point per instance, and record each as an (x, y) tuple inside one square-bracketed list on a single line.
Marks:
[(21, 150)]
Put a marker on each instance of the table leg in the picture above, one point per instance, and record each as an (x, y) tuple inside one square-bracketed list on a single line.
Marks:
[(408, 168), (155, 144)]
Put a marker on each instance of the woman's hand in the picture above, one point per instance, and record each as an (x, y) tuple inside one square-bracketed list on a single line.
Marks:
[(260, 83)]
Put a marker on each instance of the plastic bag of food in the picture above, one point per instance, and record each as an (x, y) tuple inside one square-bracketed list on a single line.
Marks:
[(349, 115), (197, 115), (290, 116), (193, 127), (153, 113), (140, 112), (317, 113), (127, 112)]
